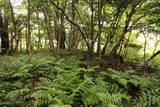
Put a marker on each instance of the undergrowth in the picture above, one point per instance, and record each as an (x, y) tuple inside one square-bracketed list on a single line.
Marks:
[(68, 82)]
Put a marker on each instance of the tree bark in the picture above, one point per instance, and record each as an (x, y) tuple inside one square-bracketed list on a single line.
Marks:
[(48, 27), (124, 32), (15, 29), (29, 31), (100, 6), (39, 34), (75, 24), (72, 37), (92, 26), (4, 34)]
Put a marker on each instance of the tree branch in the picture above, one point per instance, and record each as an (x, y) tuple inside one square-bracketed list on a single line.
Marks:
[(79, 28), (154, 55)]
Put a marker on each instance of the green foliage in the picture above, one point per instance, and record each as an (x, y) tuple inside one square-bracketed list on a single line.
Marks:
[(135, 46), (146, 87), (66, 82), (128, 77)]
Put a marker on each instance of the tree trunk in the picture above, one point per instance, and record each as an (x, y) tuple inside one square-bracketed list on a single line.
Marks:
[(48, 27), (26, 38), (92, 26), (114, 24), (83, 34), (99, 29), (124, 32), (72, 38), (60, 28), (145, 44), (14, 27), (29, 31), (4, 34), (39, 34)]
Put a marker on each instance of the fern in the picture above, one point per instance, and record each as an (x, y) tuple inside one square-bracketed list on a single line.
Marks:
[(67, 82)]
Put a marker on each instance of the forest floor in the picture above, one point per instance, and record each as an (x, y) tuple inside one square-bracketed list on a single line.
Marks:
[(73, 81)]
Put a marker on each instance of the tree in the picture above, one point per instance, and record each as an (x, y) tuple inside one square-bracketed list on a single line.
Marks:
[(15, 36), (4, 32)]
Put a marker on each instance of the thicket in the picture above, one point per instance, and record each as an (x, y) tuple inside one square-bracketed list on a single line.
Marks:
[(50, 81)]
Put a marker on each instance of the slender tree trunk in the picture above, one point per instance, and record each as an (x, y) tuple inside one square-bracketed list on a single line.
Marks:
[(114, 24), (124, 32), (20, 44), (156, 43), (99, 29), (58, 40), (14, 27), (145, 44), (11, 41), (104, 48), (26, 37), (60, 29), (39, 34), (92, 27), (29, 31), (48, 29), (72, 38)]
